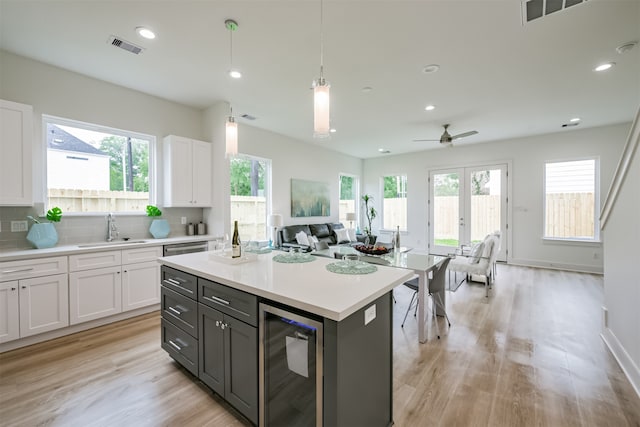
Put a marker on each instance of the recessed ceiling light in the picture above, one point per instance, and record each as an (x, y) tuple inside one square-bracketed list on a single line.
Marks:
[(146, 33), (626, 47), (575, 119), (367, 89), (430, 107), (383, 151), (431, 68), (235, 74), (332, 130), (604, 67)]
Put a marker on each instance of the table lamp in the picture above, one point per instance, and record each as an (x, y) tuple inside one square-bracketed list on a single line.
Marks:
[(274, 221), (351, 216)]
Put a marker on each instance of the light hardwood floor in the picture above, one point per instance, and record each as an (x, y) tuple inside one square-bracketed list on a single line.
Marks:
[(530, 355)]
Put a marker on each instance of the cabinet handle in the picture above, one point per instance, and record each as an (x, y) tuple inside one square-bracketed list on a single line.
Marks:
[(178, 312), (176, 346), (24, 287), (172, 282), (17, 270), (216, 299)]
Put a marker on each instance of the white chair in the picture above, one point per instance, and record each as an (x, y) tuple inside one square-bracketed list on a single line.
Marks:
[(481, 261)]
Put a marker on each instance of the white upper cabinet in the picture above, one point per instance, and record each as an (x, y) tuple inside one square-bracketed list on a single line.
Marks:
[(16, 131), (187, 172)]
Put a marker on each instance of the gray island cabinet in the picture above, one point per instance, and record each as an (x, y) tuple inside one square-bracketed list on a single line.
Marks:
[(322, 356)]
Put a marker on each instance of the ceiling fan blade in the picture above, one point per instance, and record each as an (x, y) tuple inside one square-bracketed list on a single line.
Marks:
[(426, 140), (464, 135)]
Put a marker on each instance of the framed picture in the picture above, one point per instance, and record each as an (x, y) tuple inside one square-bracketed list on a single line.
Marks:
[(309, 198)]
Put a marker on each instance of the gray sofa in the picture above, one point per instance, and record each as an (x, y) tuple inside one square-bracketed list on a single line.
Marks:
[(324, 232)]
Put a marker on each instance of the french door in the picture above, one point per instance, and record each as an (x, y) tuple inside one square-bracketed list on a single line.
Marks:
[(466, 204)]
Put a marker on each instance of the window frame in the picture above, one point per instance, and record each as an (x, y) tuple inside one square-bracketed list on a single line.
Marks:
[(152, 173), (596, 202), (406, 197), (268, 193), (356, 200)]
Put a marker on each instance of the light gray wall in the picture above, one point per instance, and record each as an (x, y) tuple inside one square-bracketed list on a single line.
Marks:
[(57, 92), (289, 159), (621, 278), (527, 157)]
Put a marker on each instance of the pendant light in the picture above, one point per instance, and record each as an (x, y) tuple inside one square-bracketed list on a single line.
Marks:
[(321, 117), (231, 127)]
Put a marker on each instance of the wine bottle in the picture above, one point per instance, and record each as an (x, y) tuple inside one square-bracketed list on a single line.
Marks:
[(236, 250)]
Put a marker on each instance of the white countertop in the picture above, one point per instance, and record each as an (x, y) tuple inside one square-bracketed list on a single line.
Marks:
[(307, 286), (22, 254)]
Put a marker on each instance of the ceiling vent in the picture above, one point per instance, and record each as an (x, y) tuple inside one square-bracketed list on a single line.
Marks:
[(534, 9), (248, 117), (123, 44)]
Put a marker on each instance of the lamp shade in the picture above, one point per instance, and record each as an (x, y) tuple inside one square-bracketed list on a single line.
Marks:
[(351, 216), (231, 137), (274, 220), (321, 117)]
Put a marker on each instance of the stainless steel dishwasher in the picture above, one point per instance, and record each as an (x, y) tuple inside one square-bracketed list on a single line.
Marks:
[(185, 248)]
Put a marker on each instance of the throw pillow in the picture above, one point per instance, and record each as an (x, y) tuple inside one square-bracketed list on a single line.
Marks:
[(342, 235), (476, 253), (313, 241), (352, 234), (301, 238)]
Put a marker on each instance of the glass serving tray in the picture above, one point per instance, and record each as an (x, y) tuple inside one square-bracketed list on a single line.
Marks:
[(351, 267)]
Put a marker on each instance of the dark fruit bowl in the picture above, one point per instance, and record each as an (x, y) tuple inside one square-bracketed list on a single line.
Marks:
[(371, 250)]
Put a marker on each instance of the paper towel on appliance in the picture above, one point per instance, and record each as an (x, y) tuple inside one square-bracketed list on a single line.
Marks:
[(297, 356)]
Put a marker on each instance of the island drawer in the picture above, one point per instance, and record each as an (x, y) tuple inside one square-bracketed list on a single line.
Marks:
[(181, 346), (180, 310), (239, 304), (179, 281)]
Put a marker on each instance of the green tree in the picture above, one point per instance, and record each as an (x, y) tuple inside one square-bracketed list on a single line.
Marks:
[(447, 185), (116, 147), (246, 176), (346, 188)]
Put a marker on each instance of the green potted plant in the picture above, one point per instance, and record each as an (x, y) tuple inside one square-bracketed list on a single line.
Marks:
[(371, 214), (43, 234), (159, 228)]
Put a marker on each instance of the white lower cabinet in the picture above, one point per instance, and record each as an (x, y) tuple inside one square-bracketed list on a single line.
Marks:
[(140, 285), (127, 280), (35, 300), (94, 294)]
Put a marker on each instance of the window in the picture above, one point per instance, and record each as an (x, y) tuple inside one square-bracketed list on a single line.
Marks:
[(348, 198), (93, 168), (394, 207), (250, 188), (571, 197)]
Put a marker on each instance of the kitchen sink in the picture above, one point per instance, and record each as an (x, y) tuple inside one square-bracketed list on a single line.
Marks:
[(114, 243)]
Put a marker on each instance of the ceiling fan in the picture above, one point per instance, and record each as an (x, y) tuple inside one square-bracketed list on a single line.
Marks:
[(446, 138)]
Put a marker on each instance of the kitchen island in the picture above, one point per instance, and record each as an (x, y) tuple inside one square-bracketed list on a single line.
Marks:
[(216, 324)]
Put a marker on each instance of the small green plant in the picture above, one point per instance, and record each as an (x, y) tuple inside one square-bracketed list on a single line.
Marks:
[(54, 215), (369, 211), (153, 211)]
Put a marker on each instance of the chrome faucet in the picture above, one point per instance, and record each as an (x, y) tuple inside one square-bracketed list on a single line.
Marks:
[(112, 228)]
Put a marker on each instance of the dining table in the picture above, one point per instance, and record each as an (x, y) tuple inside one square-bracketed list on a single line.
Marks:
[(421, 264)]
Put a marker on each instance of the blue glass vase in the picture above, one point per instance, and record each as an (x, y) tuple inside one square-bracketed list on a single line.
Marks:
[(159, 228), (42, 235)]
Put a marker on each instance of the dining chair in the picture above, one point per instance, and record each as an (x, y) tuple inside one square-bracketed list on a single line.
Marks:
[(480, 262), (436, 287)]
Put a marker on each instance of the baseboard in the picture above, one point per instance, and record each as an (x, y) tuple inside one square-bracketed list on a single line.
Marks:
[(629, 368), (557, 266), (34, 339)]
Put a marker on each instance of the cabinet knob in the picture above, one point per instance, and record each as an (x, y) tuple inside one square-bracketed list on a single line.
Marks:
[(13, 289), (24, 287)]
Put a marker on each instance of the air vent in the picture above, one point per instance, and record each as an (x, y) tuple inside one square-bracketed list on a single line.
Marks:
[(534, 9), (248, 117), (568, 125), (123, 44)]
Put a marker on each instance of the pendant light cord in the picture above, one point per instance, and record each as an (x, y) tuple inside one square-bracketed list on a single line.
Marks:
[(321, 42)]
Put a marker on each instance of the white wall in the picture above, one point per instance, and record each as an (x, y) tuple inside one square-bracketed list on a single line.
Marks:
[(94, 170), (57, 92), (289, 159), (621, 277), (527, 157)]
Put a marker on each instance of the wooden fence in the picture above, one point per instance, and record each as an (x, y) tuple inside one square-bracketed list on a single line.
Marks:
[(97, 200), (570, 215)]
